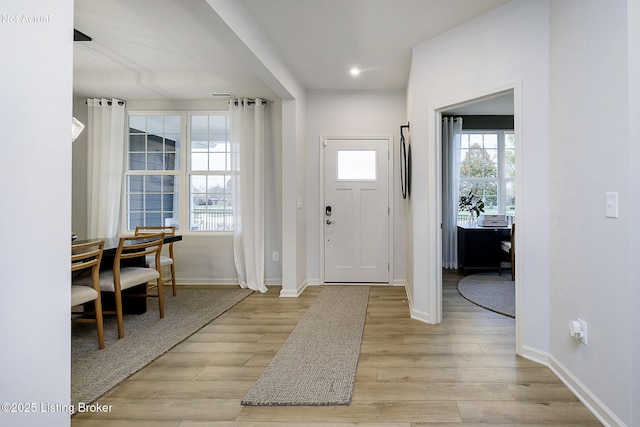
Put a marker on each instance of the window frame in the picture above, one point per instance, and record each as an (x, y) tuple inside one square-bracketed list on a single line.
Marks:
[(502, 180), (182, 172), (189, 172)]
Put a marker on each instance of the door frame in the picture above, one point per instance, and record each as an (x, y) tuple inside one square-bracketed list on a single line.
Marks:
[(435, 288), (390, 194)]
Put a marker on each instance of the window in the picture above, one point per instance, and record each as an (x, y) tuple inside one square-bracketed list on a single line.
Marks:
[(152, 176), (487, 168), (161, 188), (210, 183), (357, 165)]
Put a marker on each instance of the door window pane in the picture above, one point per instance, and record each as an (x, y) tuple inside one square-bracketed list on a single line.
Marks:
[(357, 165)]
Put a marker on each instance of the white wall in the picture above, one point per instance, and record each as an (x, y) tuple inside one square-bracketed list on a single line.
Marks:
[(79, 185), (302, 244), (589, 155), (508, 44), (351, 113), (578, 97), (273, 197), (35, 114), (633, 49)]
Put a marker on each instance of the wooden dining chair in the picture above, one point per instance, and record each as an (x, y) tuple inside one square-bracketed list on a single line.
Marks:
[(165, 261), (87, 256), (129, 270)]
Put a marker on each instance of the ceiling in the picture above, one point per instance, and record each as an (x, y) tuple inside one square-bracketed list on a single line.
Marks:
[(172, 49)]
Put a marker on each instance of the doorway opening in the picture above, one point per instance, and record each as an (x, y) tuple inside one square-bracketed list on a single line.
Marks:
[(490, 157)]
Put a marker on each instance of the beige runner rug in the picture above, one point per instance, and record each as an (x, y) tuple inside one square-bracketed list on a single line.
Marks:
[(317, 364)]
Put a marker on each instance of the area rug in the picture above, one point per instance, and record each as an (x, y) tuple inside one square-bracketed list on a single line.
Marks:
[(491, 291), (317, 363), (146, 337)]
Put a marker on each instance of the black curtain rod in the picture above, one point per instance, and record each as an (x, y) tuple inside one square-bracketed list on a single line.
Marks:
[(120, 103), (249, 102)]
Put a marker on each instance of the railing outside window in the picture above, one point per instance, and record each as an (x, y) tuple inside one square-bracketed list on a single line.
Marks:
[(211, 219)]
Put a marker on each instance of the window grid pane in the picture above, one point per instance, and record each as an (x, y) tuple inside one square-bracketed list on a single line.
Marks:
[(487, 169), (154, 146), (211, 203), (154, 142), (151, 200), (210, 176)]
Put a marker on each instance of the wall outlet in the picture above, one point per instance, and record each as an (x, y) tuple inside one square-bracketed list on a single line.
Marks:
[(275, 256), (611, 205), (578, 330), (583, 326)]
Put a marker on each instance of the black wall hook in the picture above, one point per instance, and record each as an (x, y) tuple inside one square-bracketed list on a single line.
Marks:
[(404, 127), (404, 175)]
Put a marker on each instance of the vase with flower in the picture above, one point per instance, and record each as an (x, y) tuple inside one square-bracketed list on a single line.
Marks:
[(473, 204)]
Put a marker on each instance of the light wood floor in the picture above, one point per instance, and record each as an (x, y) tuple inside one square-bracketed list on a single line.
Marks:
[(463, 370)]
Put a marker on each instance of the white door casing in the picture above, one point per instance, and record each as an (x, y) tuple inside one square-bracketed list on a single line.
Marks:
[(356, 226)]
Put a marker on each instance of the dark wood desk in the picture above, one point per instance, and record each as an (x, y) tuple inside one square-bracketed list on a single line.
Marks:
[(479, 247), (129, 305)]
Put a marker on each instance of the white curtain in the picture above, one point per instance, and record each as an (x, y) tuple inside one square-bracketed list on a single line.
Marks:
[(247, 160), (106, 130), (451, 130)]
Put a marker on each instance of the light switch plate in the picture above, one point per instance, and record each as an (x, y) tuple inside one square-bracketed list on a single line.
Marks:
[(611, 202)]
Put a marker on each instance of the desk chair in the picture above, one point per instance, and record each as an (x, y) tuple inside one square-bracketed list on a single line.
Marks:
[(509, 247), (88, 256), (133, 250), (164, 260)]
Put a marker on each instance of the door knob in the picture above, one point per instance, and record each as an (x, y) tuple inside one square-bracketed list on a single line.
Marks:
[(329, 222)]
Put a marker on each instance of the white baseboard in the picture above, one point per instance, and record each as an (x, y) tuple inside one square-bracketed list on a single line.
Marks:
[(582, 392), (413, 312), (419, 315), (407, 291), (535, 355), (221, 282), (294, 293), (207, 282)]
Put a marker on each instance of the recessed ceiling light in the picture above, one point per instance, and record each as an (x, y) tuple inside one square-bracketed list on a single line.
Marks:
[(354, 71)]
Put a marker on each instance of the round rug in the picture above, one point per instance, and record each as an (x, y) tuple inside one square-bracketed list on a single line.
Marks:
[(491, 291)]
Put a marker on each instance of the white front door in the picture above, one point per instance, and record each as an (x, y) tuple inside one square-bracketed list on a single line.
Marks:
[(356, 211)]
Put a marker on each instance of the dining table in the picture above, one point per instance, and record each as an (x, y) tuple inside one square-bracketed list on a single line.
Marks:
[(131, 305)]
